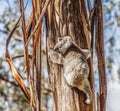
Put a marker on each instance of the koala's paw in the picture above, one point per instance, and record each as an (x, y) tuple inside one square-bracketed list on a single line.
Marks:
[(55, 57)]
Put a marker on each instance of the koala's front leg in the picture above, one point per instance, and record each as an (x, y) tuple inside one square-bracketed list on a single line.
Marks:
[(87, 90), (55, 57)]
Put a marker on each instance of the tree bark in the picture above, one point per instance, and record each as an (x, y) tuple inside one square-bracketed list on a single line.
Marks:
[(68, 17), (99, 42)]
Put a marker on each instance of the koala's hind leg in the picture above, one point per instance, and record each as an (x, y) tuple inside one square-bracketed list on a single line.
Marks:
[(87, 90)]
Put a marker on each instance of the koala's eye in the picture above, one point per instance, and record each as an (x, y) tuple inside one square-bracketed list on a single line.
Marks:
[(59, 39)]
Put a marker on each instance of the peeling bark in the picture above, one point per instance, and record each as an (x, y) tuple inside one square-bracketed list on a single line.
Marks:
[(66, 18)]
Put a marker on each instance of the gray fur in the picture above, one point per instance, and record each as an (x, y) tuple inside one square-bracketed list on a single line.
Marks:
[(76, 69)]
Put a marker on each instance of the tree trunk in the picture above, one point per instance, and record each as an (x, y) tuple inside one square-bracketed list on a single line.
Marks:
[(68, 17)]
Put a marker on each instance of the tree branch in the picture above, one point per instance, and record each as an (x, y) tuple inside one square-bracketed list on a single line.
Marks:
[(3, 31), (6, 80)]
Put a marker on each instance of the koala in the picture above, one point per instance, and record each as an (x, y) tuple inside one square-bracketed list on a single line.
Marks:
[(75, 66)]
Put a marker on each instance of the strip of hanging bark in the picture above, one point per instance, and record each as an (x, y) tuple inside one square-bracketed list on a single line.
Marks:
[(29, 25), (92, 25), (24, 39), (16, 75), (48, 26), (26, 55), (39, 20), (37, 43), (85, 23), (33, 49), (99, 43), (98, 102), (37, 50), (38, 75)]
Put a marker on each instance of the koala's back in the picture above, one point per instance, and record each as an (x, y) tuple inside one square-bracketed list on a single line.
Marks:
[(76, 69)]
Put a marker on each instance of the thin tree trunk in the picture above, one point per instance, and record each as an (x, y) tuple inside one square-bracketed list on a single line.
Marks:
[(100, 55)]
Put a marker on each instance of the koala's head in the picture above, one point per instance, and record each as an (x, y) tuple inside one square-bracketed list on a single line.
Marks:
[(63, 44)]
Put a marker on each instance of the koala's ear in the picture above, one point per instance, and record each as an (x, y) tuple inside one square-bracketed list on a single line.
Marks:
[(87, 53)]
